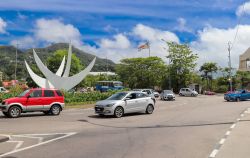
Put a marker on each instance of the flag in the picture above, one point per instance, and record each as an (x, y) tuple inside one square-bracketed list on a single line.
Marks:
[(143, 46)]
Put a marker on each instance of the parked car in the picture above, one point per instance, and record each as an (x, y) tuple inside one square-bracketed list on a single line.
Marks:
[(149, 92), (156, 94), (49, 101), (209, 93), (237, 95), (3, 90), (188, 92), (167, 95), (125, 102)]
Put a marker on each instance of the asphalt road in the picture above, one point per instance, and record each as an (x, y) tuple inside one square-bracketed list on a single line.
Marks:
[(185, 128)]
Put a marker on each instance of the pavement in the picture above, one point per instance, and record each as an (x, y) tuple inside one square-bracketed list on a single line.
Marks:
[(237, 142), (190, 127)]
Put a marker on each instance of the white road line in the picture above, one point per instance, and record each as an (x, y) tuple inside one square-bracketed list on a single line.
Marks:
[(19, 144), (213, 154), (242, 115), (46, 142), (233, 126), (228, 133), (222, 141)]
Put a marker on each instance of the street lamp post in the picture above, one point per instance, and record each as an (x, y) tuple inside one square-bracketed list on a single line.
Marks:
[(230, 67), (169, 62)]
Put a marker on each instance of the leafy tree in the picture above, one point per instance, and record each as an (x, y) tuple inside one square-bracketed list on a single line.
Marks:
[(208, 69), (54, 61), (142, 72), (242, 78), (182, 64)]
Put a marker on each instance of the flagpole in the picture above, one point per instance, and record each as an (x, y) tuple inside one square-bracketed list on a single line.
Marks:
[(148, 49)]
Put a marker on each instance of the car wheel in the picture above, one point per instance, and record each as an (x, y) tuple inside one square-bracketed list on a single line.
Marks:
[(180, 94), (192, 95), (5, 114), (14, 112), (101, 115), (55, 110), (118, 112), (150, 109)]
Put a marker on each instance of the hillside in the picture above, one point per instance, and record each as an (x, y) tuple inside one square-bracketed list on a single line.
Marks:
[(7, 59)]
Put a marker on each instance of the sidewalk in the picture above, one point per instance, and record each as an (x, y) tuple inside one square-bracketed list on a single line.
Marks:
[(238, 142), (3, 138)]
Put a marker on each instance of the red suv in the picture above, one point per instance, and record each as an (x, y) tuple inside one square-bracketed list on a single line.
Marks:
[(49, 101)]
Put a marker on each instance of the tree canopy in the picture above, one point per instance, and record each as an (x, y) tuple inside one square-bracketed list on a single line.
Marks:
[(142, 72)]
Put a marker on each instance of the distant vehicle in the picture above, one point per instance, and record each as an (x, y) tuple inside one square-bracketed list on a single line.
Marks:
[(209, 93), (167, 95), (3, 90), (125, 102), (149, 92), (104, 86), (49, 101), (156, 94), (237, 95), (188, 92)]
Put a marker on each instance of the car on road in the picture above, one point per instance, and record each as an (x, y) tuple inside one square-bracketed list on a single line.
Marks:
[(167, 95), (209, 93), (125, 102), (237, 95), (149, 92), (156, 94), (49, 101), (188, 92)]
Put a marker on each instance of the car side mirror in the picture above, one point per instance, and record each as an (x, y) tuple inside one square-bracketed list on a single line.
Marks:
[(127, 99)]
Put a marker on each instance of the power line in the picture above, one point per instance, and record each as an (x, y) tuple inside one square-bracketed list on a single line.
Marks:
[(238, 24)]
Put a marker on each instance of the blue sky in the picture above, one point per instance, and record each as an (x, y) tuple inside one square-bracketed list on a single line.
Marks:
[(98, 25)]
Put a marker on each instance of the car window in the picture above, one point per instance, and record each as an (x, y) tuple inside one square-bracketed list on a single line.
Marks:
[(36, 93), (141, 95), (49, 93), (132, 96), (59, 93)]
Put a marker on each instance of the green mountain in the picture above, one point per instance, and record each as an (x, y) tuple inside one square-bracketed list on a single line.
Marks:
[(8, 55)]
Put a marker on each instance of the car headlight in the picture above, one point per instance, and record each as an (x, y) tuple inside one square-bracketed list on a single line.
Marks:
[(110, 105)]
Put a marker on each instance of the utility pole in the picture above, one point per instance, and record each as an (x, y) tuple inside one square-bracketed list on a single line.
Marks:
[(16, 62), (230, 67)]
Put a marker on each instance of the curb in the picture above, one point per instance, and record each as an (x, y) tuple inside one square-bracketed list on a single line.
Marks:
[(4, 139)]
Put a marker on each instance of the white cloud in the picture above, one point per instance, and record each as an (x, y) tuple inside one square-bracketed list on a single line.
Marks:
[(25, 42), (3, 26), (50, 31), (120, 41), (153, 34), (182, 25), (54, 30), (212, 44), (243, 9)]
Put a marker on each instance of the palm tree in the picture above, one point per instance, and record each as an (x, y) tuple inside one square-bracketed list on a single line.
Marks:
[(209, 68)]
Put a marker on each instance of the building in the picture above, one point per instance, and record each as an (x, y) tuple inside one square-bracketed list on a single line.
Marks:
[(244, 63)]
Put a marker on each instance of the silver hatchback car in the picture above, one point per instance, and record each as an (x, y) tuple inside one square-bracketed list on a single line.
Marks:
[(125, 102)]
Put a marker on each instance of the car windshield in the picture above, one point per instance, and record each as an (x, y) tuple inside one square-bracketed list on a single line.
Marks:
[(168, 92), (23, 93), (117, 96)]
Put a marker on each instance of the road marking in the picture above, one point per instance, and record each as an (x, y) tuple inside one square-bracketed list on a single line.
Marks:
[(233, 126), (228, 133), (19, 144), (222, 141), (41, 143), (213, 154)]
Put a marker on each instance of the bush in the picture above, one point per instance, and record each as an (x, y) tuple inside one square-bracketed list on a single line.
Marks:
[(69, 97)]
